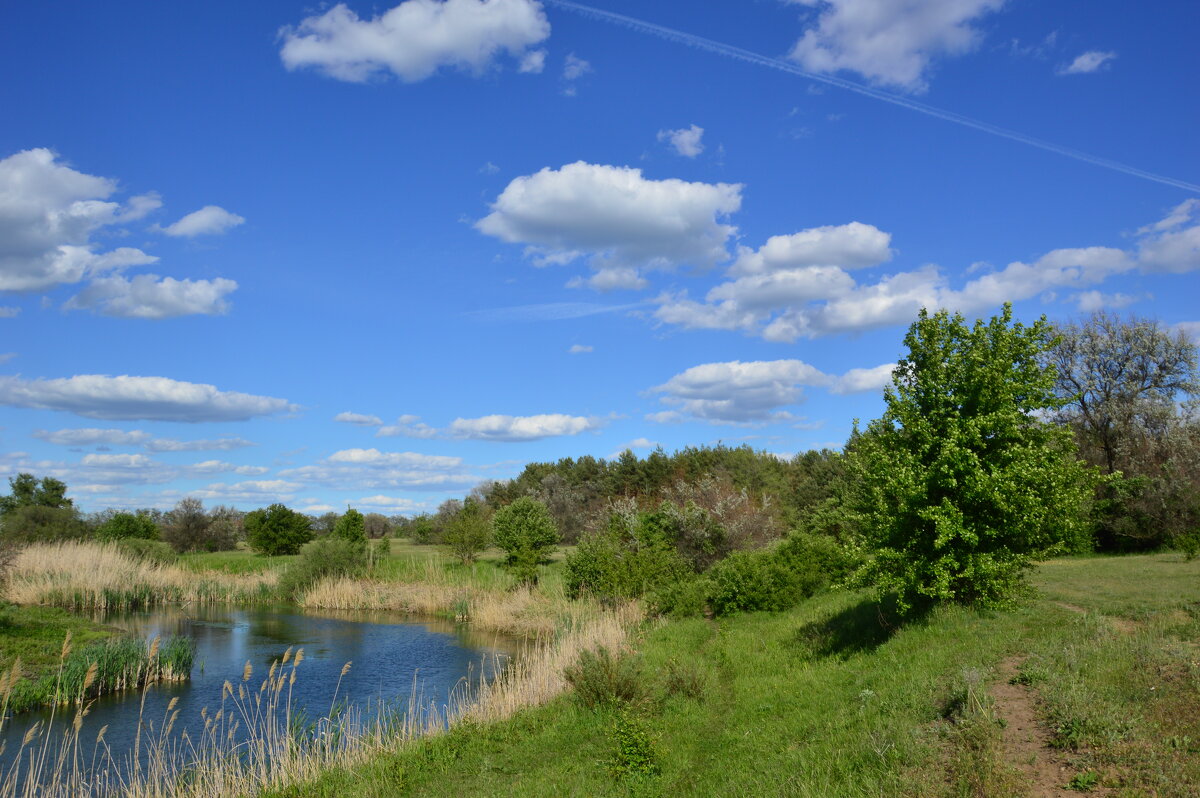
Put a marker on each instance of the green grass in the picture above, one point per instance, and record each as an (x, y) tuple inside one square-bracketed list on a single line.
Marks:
[(36, 634), (825, 701), (239, 561)]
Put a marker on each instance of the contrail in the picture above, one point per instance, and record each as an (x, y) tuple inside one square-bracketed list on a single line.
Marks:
[(701, 43)]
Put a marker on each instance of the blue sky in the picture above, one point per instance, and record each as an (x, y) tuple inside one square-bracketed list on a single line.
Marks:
[(374, 254)]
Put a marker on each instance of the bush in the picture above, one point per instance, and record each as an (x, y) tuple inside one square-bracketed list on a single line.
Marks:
[(748, 581), (155, 551), (602, 680), (324, 558), (525, 530), (635, 756), (35, 523), (351, 528), (468, 532), (278, 530), (628, 559), (127, 525), (189, 528), (686, 598)]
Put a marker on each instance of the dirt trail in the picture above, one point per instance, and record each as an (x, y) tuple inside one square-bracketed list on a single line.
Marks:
[(1025, 745)]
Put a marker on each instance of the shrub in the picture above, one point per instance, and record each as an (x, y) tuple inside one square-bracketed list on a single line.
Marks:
[(468, 532), (127, 525), (422, 531), (277, 530), (155, 551), (628, 559), (635, 756), (324, 558), (525, 530), (35, 523), (747, 581), (686, 598), (351, 528), (602, 680), (189, 528)]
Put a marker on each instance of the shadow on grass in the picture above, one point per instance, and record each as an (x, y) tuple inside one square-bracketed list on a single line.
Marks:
[(858, 629)]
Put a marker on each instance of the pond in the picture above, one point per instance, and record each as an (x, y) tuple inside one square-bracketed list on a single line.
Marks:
[(392, 659)]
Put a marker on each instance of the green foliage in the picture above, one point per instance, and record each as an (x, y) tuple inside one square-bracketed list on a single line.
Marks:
[(635, 756), (685, 598), (28, 491), (36, 523), (525, 530), (748, 581), (277, 530), (959, 483), (189, 528), (632, 556), (122, 526), (324, 558), (155, 551), (603, 680), (422, 531), (469, 532), (352, 528)]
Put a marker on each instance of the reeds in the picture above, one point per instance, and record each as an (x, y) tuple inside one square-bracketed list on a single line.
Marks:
[(254, 741), (96, 576)]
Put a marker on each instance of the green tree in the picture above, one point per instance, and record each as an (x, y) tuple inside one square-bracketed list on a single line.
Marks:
[(468, 532), (28, 491), (277, 530), (961, 484), (525, 530), (38, 510), (351, 528), (128, 525)]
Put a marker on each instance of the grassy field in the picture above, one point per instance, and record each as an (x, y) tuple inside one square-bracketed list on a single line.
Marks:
[(833, 699), (35, 636)]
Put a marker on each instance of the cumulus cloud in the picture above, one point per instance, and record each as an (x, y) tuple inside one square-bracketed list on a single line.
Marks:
[(533, 62), (754, 392), (1091, 301), (580, 349), (1190, 329), (91, 436), (849, 246), (209, 220), (213, 445), (126, 398), (408, 426), (416, 38), (521, 428), (889, 42), (221, 467), (252, 491), (1172, 244), (615, 217), (575, 67), (48, 213), (356, 469), (148, 296), (1085, 63), (685, 141), (359, 419), (395, 504)]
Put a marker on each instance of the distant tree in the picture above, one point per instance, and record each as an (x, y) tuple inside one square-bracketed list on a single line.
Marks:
[(38, 510), (323, 524), (377, 525), (525, 530), (122, 526), (351, 528), (469, 531), (28, 491), (422, 530), (961, 484), (225, 528), (186, 527), (277, 530)]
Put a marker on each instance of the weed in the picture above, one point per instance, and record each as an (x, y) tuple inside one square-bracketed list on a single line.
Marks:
[(1084, 782), (602, 680), (635, 755)]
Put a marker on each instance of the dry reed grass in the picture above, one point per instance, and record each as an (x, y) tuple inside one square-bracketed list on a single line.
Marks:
[(85, 576)]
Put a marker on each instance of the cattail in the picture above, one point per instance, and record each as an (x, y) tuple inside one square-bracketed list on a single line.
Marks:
[(246, 671)]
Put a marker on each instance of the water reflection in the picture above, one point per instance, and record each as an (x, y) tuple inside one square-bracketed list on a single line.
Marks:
[(390, 656)]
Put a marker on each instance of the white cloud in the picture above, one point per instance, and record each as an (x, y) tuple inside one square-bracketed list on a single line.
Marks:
[(615, 217), (1091, 61), (48, 213), (575, 67), (890, 42), (521, 428), (611, 278), (393, 503), (359, 419), (415, 38), (148, 296), (7, 356), (580, 349), (221, 467), (635, 444), (407, 426), (9, 312), (214, 445), (685, 141), (137, 398), (1170, 245), (209, 220), (408, 459), (356, 469), (1091, 301), (1190, 329), (738, 392), (533, 62), (92, 436), (849, 246), (117, 460), (249, 492)]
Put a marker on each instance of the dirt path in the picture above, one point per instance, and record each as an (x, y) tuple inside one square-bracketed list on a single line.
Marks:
[(1025, 745)]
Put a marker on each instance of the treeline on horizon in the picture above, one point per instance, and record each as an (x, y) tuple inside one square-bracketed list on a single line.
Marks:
[(984, 426)]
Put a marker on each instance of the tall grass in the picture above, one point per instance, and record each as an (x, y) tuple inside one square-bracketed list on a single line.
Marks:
[(254, 740), (95, 576)]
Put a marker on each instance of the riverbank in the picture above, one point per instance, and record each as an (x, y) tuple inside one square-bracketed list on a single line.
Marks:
[(1093, 684)]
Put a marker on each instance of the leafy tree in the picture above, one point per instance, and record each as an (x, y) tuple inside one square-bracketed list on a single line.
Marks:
[(469, 531), (187, 526), (960, 484), (38, 510), (377, 525), (323, 524), (122, 526), (422, 530), (28, 491), (277, 530), (526, 531), (352, 529)]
